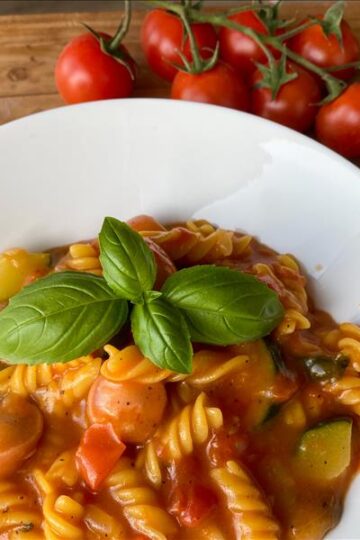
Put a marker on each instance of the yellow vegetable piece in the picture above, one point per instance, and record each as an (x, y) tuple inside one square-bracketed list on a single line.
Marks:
[(16, 265), (324, 452)]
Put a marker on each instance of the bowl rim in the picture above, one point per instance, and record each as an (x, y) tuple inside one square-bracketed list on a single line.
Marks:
[(178, 104)]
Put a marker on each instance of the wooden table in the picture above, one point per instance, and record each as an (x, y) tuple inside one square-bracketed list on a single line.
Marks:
[(30, 44)]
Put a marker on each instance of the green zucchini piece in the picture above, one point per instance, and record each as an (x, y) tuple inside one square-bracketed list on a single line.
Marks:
[(275, 353), (260, 408), (324, 368), (324, 452)]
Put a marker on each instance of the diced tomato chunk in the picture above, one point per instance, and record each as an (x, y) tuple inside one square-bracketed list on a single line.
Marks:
[(192, 505), (224, 447), (99, 450)]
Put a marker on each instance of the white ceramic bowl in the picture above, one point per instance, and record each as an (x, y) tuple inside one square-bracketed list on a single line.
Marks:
[(62, 171)]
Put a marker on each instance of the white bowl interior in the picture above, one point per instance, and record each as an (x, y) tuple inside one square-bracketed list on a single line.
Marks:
[(63, 171)]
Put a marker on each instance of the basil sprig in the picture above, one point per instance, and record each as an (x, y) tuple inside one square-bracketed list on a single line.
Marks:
[(70, 314), (60, 317), (223, 306), (128, 264), (160, 331)]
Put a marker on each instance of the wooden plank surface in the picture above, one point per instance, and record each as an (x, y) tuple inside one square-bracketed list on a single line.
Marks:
[(30, 44)]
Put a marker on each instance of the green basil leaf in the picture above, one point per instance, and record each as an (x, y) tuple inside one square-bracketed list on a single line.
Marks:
[(161, 333), (128, 263), (223, 306), (59, 318)]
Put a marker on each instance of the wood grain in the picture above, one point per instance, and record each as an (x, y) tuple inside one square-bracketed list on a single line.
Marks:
[(30, 44)]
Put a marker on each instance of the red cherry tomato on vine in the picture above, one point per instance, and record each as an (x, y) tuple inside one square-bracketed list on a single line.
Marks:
[(239, 50), (84, 72), (295, 104), (338, 123), (219, 86), (326, 51), (162, 36)]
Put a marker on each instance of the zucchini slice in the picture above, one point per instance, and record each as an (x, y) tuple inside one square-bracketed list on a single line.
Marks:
[(324, 452), (325, 368), (261, 407)]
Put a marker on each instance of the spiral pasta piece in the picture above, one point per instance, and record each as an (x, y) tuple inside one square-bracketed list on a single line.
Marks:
[(83, 258), (63, 470), (75, 383), (129, 364), (63, 517), (190, 428), (17, 510), (25, 380), (347, 391), (181, 394), (345, 339), (102, 524), (286, 280), (148, 461), (252, 516), (139, 501), (210, 366), (349, 343), (199, 241), (240, 242), (64, 383), (293, 320)]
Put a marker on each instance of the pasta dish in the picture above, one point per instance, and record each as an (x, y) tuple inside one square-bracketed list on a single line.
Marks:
[(171, 383)]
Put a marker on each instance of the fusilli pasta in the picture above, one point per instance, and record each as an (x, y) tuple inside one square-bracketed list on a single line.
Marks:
[(139, 501), (83, 258), (191, 427), (18, 513), (347, 391), (63, 516), (129, 364), (252, 516)]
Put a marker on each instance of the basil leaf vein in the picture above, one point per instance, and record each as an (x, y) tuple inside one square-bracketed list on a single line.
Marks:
[(128, 263), (161, 333), (59, 318), (223, 306)]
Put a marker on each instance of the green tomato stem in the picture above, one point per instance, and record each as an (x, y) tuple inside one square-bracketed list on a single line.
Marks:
[(295, 31), (334, 85), (185, 10), (219, 19), (122, 28), (193, 45), (355, 65)]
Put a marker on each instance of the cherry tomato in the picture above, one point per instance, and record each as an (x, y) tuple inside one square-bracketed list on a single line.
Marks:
[(84, 72), (295, 103), (21, 425), (162, 37), (338, 123), (326, 51), (135, 410), (239, 50), (219, 86)]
